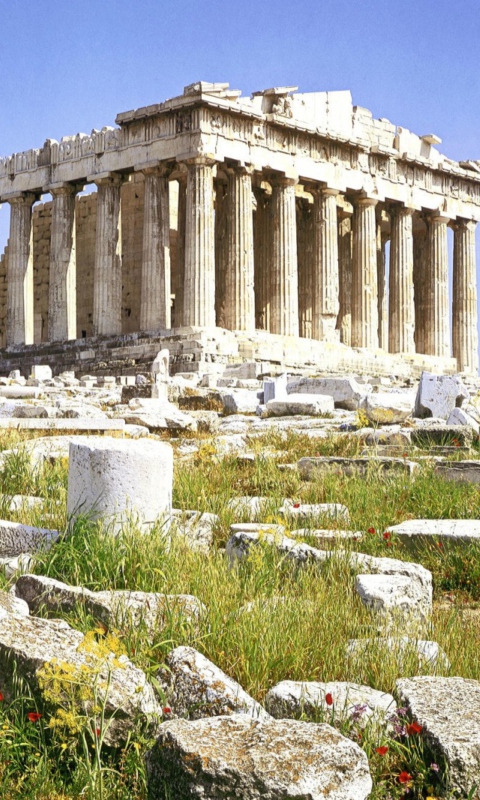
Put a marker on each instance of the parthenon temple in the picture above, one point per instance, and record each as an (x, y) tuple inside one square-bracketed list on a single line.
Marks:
[(296, 215)]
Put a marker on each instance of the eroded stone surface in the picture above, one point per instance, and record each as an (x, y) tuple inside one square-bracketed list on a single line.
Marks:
[(293, 699), (438, 395), (395, 598), (256, 760), (16, 538)]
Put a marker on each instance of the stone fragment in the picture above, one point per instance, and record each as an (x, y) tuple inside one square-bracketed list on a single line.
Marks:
[(113, 608), (195, 687), (298, 404), (195, 527), (30, 412), (311, 466), (29, 645), (453, 436), (258, 528), (395, 598), (15, 564), (13, 605), (429, 654), (158, 415), (41, 372), (308, 510), (240, 401), (114, 479), (275, 388), (239, 545), (324, 536), (359, 704), (16, 538), (459, 471), (346, 391), (387, 408), (460, 417), (413, 532), (262, 760), (248, 507), (448, 709), (160, 366), (438, 395), (19, 391)]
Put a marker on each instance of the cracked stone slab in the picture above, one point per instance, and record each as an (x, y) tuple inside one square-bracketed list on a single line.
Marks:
[(429, 653), (195, 687), (448, 709), (16, 538), (438, 530), (351, 701), (395, 597), (309, 467), (226, 757)]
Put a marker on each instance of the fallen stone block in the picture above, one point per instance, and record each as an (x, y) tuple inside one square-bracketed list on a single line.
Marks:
[(456, 436), (41, 372), (275, 388), (195, 687), (241, 401), (262, 760), (387, 408), (438, 395), (429, 654), (324, 536), (13, 605), (420, 531), (16, 538), (239, 545), (195, 527), (300, 404), (359, 704), (31, 648), (114, 608), (159, 415), (448, 709), (259, 528), (307, 511), (312, 466), (395, 598), (19, 391), (114, 479), (467, 471), (248, 507), (14, 565), (62, 424), (460, 417), (346, 391)]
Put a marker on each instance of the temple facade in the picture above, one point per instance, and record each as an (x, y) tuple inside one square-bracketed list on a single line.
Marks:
[(296, 214)]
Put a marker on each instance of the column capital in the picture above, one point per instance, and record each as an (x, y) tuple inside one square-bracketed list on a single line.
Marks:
[(399, 209), (464, 224), (277, 179), (63, 188), (207, 160), (238, 169), (438, 216), (161, 168), (20, 198), (363, 201), (108, 179)]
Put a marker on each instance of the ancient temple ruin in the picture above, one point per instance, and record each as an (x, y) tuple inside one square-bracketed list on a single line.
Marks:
[(266, 215)]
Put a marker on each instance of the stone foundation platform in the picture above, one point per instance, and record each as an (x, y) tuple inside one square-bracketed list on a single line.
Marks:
[(211, 351)]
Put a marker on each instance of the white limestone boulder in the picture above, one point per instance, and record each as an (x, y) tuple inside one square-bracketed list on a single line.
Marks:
[(41, 372), (11, 604), (228, 757), (195, 687), (460, 417), (429, 654), (241, 401), (275, 388), (240, 543), (300, 404), (335, 511), (16, 538), (158, 415), (395, 598), (29, 644), (375, 565), (247, 507), (115, 479), (115, 608), (388, 408), (359, 704), (259, 528), (195, 528), (414, 532), (448, 709), (438, 395), (346, 391), (15, 565)]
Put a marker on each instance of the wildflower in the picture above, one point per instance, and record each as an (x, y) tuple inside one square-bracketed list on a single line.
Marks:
[(387, 535), (382, 751), (358, 711), (439, 544), (371, 530), (167, 710), (1, 697), (434, 767), (33, 716), (404, 777), (296, 505), (413, 728), (329, 699), (97, 731)]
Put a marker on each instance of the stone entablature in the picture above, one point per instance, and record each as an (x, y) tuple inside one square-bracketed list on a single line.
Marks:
[(285, 203)]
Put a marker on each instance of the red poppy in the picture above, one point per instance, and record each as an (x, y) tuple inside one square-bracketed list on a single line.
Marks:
[(33, 716), (382, 751), (329, 699), (371, 530), (439, 544), (97, 731), (167, 710), (1, 697), (404, 777), (413, 728), (387, 535), (296, 505)]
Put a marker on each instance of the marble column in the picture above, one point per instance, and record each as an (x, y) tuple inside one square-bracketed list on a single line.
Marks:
[(464, 312), (325, 265), (62, 293), (107, 278), (437, 316), (199, 292), (221, 249), (284, 272), (364, 281), (401, 302), (20, 321), (344, 321), (382, 239), (305, 247), (155, 290), (180, 279), (262, 243), (239, 276), (420, 258)]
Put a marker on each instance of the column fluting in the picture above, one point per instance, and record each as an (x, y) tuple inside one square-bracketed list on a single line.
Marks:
[(284, 272), (364, 282), (20, 320), (464, 312), (401, 300), (325, 266), (199, 291), (62, 293), (344, 321), (107, 281), (437, 316), (155, 310), (239, 276), (262, 242)]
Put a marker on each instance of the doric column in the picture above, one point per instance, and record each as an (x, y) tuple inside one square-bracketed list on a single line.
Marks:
[(181, 225), (239, 277), (284, 275), (20, 322), (464, 312), (221, 250), (344, 321), (107, 279), (155, 281), (437, 324), (325, 265), (364, 283), (305, 246), (262, 240), (382, 239), (420, 258), (62, 293), (199, 292), (401, 304)]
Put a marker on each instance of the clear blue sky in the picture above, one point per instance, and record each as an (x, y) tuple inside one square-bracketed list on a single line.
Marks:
[(72, 65)]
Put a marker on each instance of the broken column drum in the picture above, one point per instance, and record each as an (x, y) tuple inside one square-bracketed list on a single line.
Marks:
[(116, 480), (283, 212)]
